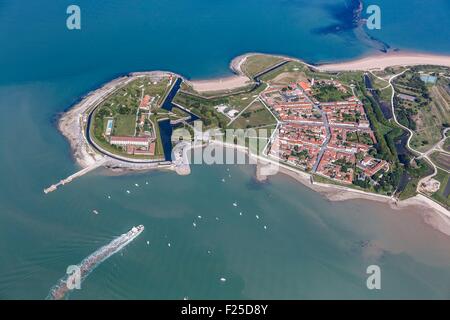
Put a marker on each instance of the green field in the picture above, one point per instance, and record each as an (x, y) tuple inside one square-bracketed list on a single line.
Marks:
[(446, 146), (293, 68), (259, 62), (159, 150), (441, 159), (204, 108), (124, 125), (256, 115), (241, 101), (443, 177), (328, 92), (417, 171)]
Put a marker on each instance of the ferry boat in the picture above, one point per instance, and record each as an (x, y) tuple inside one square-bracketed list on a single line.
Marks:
[(88, 264)]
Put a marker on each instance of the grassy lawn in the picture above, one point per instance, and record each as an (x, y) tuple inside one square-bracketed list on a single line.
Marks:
[(256, 115), (377, 83), (292, 68), (385, 95), (446, 146), (124, 125), (410, 190), (443, 177), (259, 62), (159, 149), (241, 101), (422, 169), (348, 78), (327, 93), (204, 108)]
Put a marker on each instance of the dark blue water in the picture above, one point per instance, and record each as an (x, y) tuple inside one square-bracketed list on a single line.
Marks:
[(166, 129), (167, 104)]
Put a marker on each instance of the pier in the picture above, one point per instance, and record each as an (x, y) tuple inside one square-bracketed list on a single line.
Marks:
[(78, 174)]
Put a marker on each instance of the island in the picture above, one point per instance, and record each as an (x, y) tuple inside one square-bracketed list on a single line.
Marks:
[(373, 128)]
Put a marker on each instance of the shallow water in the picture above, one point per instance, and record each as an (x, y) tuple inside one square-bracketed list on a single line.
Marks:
[(312, 248)]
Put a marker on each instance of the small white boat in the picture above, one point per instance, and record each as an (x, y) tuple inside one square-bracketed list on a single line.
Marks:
[(136, 185), (199, 217), (148, 242), (194, 224), (95, 211), (265, 227), (223, 180), (257, 217), (217, 218), (109, 197), (235, 204), (223, 279), (240, 213), (168, 244), (146, 182), (128, 191)]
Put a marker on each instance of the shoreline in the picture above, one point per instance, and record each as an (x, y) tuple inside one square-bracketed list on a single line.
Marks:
[(71, 124), (440, 220), (371, 61), (380, 61)]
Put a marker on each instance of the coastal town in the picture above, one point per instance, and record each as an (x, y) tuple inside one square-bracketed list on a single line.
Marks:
[(329, 138), (344, 130)]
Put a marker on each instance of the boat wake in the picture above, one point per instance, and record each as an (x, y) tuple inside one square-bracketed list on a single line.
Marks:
[(65, 285)]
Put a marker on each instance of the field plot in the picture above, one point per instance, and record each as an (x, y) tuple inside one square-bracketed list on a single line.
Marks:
[(259, 62), (443, 194), (287, 73), (256, 115), (441, 159)]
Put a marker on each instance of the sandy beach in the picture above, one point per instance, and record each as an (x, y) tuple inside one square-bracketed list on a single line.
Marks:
[(221, 84), (238, 80), (373, 62), (382, 61)]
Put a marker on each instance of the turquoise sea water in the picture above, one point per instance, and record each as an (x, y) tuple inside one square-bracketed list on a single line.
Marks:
[(312, 248)]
